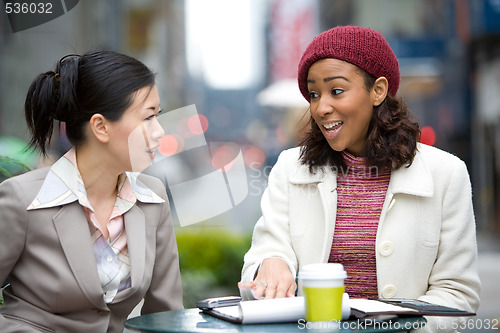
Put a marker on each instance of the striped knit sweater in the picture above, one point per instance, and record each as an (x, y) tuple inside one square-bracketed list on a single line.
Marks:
[(361, 191)]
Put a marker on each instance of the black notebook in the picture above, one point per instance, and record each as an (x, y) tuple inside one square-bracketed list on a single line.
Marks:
[(362, 308)]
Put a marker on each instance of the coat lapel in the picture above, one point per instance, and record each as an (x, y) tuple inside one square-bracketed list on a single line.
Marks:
[(74, 235), (326, 181), (415, 180), (135, 224)]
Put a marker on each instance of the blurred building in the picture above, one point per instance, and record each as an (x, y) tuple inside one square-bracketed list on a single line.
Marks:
[(484, 82), (152, 31)]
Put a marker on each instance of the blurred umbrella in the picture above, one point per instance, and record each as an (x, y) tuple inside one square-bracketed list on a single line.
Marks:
[(282, 94)]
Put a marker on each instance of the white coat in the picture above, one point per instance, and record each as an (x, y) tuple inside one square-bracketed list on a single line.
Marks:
[(426, 240)]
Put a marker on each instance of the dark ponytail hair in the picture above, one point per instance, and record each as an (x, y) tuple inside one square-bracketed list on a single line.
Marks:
[(80, 86)]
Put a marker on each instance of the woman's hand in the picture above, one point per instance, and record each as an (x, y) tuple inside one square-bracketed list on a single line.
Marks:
[(274, 280)]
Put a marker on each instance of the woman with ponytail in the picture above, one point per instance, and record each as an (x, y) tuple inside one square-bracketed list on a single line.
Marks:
[(85, 240)]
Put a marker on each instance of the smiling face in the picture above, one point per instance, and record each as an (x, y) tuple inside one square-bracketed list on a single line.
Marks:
[(136, 135), (341, 104)]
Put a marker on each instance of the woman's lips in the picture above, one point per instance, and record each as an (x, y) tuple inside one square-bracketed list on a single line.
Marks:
[(332, 128)]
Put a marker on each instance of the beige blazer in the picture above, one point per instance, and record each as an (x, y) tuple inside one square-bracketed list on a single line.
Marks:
[(48, 257)]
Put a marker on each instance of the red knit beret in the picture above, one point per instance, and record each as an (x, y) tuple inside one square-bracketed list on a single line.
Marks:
[(359, 46)]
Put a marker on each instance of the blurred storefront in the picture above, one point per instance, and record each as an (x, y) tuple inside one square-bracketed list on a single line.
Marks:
[(484, 50), (152, 31)]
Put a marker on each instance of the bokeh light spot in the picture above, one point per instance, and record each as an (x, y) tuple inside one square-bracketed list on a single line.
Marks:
[(168, 145), (223, 157), (428, 135), (254, 157), (198, 124)]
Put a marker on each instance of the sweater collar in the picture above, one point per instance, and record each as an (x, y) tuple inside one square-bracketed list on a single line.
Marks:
[(414, 180)]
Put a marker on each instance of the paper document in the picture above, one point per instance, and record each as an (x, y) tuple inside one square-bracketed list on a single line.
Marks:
[(291, 309), (277, 310)]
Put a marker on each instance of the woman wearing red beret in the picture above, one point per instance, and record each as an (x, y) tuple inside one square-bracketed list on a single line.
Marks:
[(362, 191)]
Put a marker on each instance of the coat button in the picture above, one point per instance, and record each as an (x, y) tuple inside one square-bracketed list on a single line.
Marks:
[(389, 291), (386, 248)]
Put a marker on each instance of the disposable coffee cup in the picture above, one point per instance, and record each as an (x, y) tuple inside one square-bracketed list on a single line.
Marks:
[(323, 287)]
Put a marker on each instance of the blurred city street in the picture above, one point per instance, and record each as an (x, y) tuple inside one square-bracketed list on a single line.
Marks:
[(230, 67), (489, 272)]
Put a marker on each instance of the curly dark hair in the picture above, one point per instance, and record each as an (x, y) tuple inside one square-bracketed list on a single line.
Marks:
[(391, 141)]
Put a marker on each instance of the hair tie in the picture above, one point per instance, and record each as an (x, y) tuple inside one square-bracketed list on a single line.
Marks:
[(57, 79)]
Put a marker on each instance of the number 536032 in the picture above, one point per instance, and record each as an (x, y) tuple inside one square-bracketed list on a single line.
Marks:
[(28, 8)]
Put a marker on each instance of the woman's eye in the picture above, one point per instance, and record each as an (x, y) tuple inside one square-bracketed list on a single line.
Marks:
[(337, 91), (154, 115), (313, 94)]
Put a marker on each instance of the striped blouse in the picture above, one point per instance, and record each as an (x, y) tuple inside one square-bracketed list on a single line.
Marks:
[(361, 192)]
